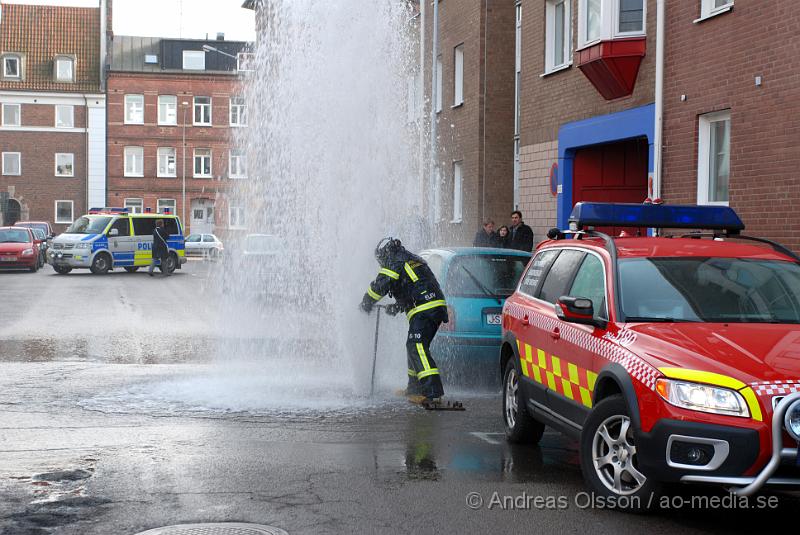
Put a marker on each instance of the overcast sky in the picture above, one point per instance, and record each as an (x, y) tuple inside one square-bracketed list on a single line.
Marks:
[(163, 18)]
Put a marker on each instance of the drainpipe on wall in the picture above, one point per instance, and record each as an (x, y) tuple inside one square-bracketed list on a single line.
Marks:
[(659, 112), (421, 95), (434, 143)]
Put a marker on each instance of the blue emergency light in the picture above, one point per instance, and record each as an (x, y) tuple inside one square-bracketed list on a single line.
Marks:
[(109, 210), (597, 214)]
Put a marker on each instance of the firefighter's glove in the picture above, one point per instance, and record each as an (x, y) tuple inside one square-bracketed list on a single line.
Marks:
[(394, 309), (367, 303)]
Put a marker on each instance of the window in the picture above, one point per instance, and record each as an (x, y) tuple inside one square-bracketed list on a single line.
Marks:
[(65, 164), (11, 163), (65, 116), (607, 19), (64, 69), (590, 283), (64, 212), (537, 269), (709, 8), (245, 61), (12, 66), (167, 110), (134, 205), (202, 110), (714, 155), (166, 206), (11, 114), (202, 163), (194, 60), (458, 75), (438, 84), (560, 274), (457, 193), (134, 109), (123, 226), (236, 216), (558, 48), (238, 112), (238, 164), (478, 275), (166, 162), (134, 161)]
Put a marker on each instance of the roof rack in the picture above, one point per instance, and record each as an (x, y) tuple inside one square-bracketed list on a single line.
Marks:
[(775, 245)]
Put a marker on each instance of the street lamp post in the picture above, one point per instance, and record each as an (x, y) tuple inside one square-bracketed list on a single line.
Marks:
[(184, 105)]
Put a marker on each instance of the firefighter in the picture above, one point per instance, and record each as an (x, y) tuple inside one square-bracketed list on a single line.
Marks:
[(408, 279)]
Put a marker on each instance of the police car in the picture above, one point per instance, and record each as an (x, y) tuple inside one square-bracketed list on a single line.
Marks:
[(670, 359), (106, 238)]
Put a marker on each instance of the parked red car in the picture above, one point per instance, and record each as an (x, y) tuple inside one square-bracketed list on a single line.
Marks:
[(18, 249), (671, 359)]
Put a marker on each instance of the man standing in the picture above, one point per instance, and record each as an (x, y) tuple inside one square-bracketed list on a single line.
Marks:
[(486, 237), (408, 279), (520, 235), (160, 248)]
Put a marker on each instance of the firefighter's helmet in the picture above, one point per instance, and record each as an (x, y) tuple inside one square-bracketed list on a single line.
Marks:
[(386, 248)]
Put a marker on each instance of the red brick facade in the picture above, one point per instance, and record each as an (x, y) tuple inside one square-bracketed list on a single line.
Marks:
[(712, 65)]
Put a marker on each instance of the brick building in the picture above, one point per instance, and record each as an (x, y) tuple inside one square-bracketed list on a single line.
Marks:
[(586, 113), (730, 111), (160, 92), (52, 133), (474, 112)]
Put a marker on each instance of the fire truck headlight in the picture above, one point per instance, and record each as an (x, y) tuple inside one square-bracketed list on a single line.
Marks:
[(792, 420), (704, 398)]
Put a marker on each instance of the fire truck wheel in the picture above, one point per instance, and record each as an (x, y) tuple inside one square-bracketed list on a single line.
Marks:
[(519, 425), (608, 458)]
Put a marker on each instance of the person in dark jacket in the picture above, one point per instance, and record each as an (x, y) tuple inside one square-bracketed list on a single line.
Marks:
[(502, 237), (408, 279), (521, 235), (486, 237), (160, 248)]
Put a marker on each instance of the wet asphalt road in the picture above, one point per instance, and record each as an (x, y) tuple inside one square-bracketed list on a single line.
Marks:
[(84, 452)]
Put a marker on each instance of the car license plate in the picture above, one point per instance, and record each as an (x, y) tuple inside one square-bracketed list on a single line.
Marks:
[(494, 319), (8, 258)]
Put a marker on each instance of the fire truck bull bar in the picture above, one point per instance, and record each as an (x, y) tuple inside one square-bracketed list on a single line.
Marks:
[(747, 486)]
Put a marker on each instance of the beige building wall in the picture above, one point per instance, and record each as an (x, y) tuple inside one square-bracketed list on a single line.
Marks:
[(537, 202)]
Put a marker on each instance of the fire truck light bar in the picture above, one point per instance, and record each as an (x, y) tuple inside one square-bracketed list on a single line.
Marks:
[(595, 214)]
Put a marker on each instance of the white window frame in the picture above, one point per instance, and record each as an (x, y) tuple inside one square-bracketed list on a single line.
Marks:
[(458, 75), (550, 64), (708, 9), (705, 123), (458, 191), (164, 153), (196, 105), (134, 103), (609, 22), (136, 203), (240, 219), (71, 212), (71, 164), (167, 103), (5, 115), (56, 67), (240, 169), (16, 57), (439, 84), (64, 107), (194, 55), (210, 155), (241, 112), (245, 61), (133, 150), (163, 203), (19, 163)]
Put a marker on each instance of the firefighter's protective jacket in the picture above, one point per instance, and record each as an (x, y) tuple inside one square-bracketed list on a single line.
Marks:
[(408, 279)]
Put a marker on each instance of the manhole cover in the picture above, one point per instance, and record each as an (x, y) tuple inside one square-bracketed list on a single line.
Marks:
[(216, 529)]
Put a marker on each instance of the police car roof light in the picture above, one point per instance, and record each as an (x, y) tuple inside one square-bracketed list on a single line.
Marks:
[(595, 214), (109, 210)]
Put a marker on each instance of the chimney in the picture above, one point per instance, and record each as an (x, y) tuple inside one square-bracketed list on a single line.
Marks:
[(220, 36)]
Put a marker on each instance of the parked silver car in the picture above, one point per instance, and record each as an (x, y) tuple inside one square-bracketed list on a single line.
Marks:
[(205, 245)]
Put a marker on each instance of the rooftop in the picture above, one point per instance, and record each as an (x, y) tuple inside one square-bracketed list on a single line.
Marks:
[(163, 55)]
